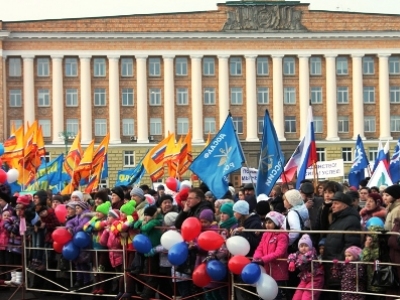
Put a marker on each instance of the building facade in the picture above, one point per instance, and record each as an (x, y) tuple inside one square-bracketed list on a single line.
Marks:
[(142, 76)]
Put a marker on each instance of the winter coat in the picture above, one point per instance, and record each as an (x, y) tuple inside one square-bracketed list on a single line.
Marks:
[(365, 214), (303, 263), (324, 218), (351, 274), (14, 241), (313, 211), (149, 229), (276, 204), (253, 221), (393, 213), (112, 241), (293, 220), (95, 227), (4, 236), (76, 224), (139, 209), (394, 252), (51, 222), (274, 245), (193, 212)]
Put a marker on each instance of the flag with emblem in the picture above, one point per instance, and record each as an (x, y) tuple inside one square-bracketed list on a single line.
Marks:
[(394, 167), (380, 176), (360, 162)]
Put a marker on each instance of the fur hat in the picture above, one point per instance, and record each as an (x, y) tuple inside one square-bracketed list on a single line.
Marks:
[(294, 197), (84, 205), (307, 188), (393, 190), (5, 197), (227, 208), (276, 217), (58, 198), (77, 194), (248, 186), (164, 198), (342, 197), (104, 208), (24, 200), (169, 218), (119, 192), (305, 239), (262, 208), (42, 197), (241, 207), (150, 210), (206, 214), (102, 195), (128, 208), (115, 213), (138, 192), (354, 251)]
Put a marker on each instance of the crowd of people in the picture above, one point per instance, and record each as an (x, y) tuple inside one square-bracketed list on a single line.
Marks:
[(301, 263)]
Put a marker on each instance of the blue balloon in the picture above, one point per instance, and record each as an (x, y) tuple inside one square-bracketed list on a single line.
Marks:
[(216, 270), (251, 273), (70, 251), (1, 149), (178, 253), (375, 221), (81, 239), (142, 243)]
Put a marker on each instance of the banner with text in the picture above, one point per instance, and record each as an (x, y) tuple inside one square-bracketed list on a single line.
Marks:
[(327, 169), (246, 176)]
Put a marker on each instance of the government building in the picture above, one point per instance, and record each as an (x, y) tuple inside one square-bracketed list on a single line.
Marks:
[(142, 76)]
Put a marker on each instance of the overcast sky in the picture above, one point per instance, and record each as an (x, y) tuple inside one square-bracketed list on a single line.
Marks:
[(14, 10)]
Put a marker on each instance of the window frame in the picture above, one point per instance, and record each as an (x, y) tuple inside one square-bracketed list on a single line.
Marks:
[(155, 126), (395, 120), (236, 95), (129, 158), (127, 97), (155, 97), (289, 95), (347, 154), (154, 67), (72, 125), (70, 67), (211, 124), (316, 94), (238, 123), (344, 92), (15, 98), (394, 65), (182, 126), (181, 66), (368, 65), (343, 122), (128, 127), (126, 67), (46, 127), (206, 94), (262, 66), (208, 66), (182, 96), (318, 124), (368, 95), (290, 124), (289, 66), (99, 97), (342, 65), (99, 67), (71, 96), (315, 66), (102, 123), (235, 66), (14, 67), (369, 124), (394, 94), (43, 102), (262, 95), (43, 67)]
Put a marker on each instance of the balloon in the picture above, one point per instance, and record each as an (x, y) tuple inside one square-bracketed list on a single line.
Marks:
[(375, 221), (3, 176), (170, 238), (81, 239), (237, 263), (142, 243), (263, 269), (178, 253), (238, 245), (251, 273), (185, 184), (216, 270), (200, 276), (57, 247), (61, 235), (210, 240), (1, 149), (267, 288), (12, 175), (61, 213), (172, 184), (70, 251), (190, 229)]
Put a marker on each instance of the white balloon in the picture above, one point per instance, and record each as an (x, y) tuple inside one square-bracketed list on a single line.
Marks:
[(170, 238), (263, 270), (185, 184), (238, 245), (267, 288), (12, 175)]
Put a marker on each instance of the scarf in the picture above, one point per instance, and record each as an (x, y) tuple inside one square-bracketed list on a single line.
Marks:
[(228, 223)]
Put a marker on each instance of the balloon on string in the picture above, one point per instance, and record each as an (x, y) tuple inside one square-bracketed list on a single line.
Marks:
[(1, 149), (61, 213), (61, 235), (186, 184), (238, 245), (58, 247), (170, 238), (81, 239), (251, 273), (70, 251), (267, 288), (142, 243), (190, 229), (172, 184), (216, 270), (3, 176), (210, 240), (178, 253), (12, 175), (375, 221), (200, 276), (237, 263)]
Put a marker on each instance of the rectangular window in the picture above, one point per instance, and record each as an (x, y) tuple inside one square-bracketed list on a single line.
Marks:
[(129, 158), (262, 95), (235, 66), (14, 67), (394, 65), (209, 96), (209, 125), (71, 67), (316, 95), (43, 97), (369, 94), (99, 97), (128, 128), (260, 125), (347, 154), (342, 95), (321, 154), (238, 123), (127, 97), (182, 96), (288, 66), (72, 125), (181, 66), (368, 65), (155, 126), (262, 66), (43, 67), (236, 96), (182, 125), (373, 153), (155, 97), (17, 124), (100, 127), (369, 124), (315, 66), (15, 98), (71, 97), (46, 127), (208, 66), (127, 67), (289, 95), (318, 124), (394, 94), (342, 67), (99, 67), (154, 67), (394, 123), (343, 124), (290, 124)]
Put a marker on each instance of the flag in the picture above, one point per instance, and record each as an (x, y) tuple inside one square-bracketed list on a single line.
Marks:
[(221, 157), (271, 158), (360, 162), (185, 157), (94, 179), (104, 172), (99, 159), (394, 167), (41, 150), (380, 176), (171, 155), (74, 156), (309, 152), (291, 166), (51, 171), (83, 170), (14, 148), (154, 160), (131, 176)]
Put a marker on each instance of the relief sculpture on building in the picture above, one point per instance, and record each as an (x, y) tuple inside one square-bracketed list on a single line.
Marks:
[(264, 18)]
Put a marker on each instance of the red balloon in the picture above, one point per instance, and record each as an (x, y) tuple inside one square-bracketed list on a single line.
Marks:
[(190, 229), (172, 184), (61, 213), (200, 276), (210, 240), (61, 235), (57, 247), (237, 263), (3, 176)]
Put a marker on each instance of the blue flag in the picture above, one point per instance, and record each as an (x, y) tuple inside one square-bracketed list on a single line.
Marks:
[(270, 167), (131, 176), (51, 171), (359, 164), (394, 167), (222, 156), (104, 172)]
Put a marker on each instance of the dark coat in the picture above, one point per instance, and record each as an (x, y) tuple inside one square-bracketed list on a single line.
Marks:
[(254, 238), (277, 204), (394, 252), (193, 212)]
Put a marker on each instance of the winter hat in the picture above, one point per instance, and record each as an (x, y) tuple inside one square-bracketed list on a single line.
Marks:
[(150, 199), (150, 210), (393, 190), (294, 197), (102, 195), (207, 214), (24, 200), (164, 198), (227, 208), (5, 197), (322, 242), (42, 197), (169, 218), (138, 192), (307, 188), (276, 217), (77, 194), (342, 197), (84, 205), (119, 192), (354, 251), (161, 187), (128, 208), (115, 213), (72, 204), (104, 208), (182, 196), (305, 239), (262, 208), (262, 197), (58, 198), (241, 207), (209, 194), (376, 197)]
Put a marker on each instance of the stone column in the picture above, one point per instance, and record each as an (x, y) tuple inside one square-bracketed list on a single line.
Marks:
[(169, 94), (86, 100), (29, 90), (277, 86), (384, 97), (114, 103), (223, 88), (57, 98), (304, 92), (251, 99), (142, 118), (358, 103), (197, 103), (331, 102)]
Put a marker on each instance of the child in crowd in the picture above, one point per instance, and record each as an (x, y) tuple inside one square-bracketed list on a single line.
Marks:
[(273, 246), (311, 271), (4, 236), (321, 248)]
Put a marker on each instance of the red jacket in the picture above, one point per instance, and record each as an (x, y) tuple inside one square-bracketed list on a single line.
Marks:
[(113, 242)]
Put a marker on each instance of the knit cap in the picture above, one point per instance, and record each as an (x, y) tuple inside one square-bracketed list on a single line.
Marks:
[(104, 208), (169, 218), (115, 213), (294, 197), (393, 190), (207, 214), (72, 204), (77, 194), (128, 208), (102, 194), (241, 207), (262, 197), (262, 208), (5, 197), (164, 198), (58, 198), (276, 217), (24, 200), (227, 208), (376, 197), (119, 192), (305, 239), (322, 242), (355, 252), (160, 187), (150, 210), (84, 205), (138, 192)]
